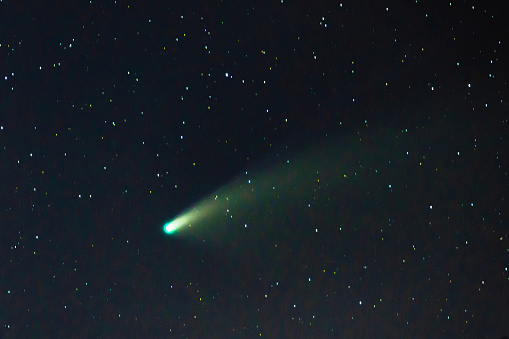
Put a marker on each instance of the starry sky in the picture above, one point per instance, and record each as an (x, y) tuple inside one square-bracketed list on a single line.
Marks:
[(352, 155)]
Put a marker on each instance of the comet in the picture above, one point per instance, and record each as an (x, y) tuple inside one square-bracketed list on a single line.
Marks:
[(284, 184)]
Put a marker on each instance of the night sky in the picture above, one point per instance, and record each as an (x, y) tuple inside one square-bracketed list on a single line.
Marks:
[(348, 162)]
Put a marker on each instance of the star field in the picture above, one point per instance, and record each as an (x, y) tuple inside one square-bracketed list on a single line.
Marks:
[(351, 158)]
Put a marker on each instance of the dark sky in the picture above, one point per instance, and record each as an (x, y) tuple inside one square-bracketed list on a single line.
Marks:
[(378, 138)]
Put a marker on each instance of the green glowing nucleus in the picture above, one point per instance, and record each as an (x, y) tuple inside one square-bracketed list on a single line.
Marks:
[(177, 223), (171, 227)]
